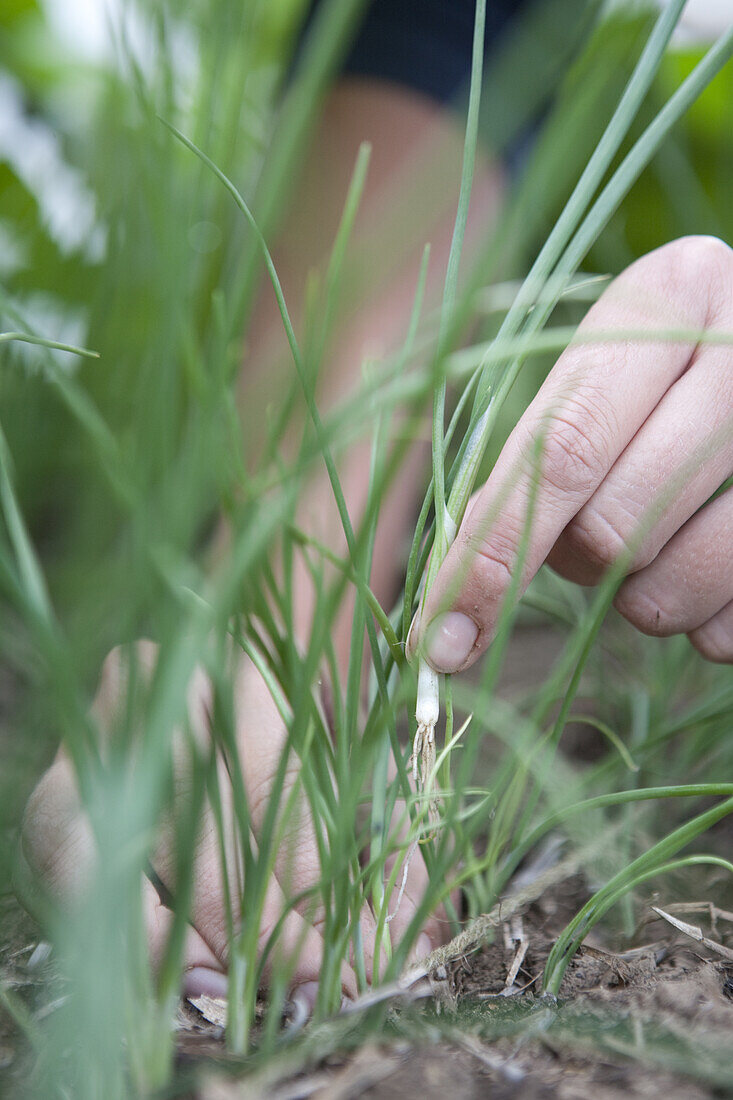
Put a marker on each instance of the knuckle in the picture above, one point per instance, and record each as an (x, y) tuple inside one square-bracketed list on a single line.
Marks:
[(259, 790), (699, 264), (596, 540), (603, 542), (496, 554), (575, 451), (706, 253)]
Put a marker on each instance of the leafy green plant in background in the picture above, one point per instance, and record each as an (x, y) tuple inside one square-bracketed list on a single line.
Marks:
[(145, 446)]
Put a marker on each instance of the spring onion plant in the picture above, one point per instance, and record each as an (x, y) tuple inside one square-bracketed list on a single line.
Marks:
[(116, 464)]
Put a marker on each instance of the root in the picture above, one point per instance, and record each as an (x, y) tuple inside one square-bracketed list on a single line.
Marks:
[(405, 870), (423, 773)]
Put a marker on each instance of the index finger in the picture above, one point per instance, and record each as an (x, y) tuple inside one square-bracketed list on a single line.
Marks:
[(589, 408)]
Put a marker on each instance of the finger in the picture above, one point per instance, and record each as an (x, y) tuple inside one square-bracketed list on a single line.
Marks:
[(262, 740), (297, 947), (690, 581), (57, 839), (676, 461), (588, 410), (58, 842), (714, 639), (411, 885), (202, 971)]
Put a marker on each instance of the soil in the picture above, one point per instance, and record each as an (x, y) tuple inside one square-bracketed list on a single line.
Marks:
[(654, 1020)]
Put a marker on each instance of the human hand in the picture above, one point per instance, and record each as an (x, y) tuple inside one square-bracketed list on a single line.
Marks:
[(57, 841), (638, 435)]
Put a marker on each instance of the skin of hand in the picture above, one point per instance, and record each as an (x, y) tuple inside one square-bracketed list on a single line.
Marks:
[(411, 139), (57, 841), (636, 436)]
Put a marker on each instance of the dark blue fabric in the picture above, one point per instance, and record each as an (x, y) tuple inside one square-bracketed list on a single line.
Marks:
[(424, 44)]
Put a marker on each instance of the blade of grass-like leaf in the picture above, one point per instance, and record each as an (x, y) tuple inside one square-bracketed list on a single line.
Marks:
[(487, 405), (607, 147), (340, 245), (451, 277), (304, 380), (625, 175), (616, 798), (499, 297), (649, 862), (28, 338), (601, 907), (333, 26), (31, 592), (610, 735), (466, 467), (29, 571), (186, 830), (644, 149)]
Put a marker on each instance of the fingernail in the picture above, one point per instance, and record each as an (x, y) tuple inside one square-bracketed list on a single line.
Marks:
[(200, 981), (305, 997), (450, 639)]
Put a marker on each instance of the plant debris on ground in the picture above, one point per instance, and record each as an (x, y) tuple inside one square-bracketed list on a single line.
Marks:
[(655, 1019)]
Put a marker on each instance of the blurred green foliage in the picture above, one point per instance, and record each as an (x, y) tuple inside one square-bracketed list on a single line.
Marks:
[(141, 285), (120, 464)]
